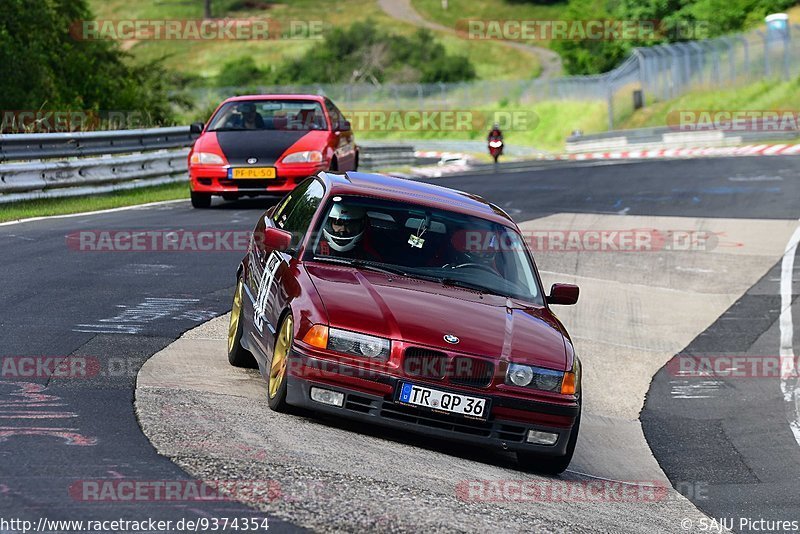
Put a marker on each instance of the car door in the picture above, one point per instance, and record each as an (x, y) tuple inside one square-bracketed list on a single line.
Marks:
[(274, 268), (343, 138)]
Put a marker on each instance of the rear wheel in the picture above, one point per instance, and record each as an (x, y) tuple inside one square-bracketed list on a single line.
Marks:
[(238, 356), (276, 391), (201, 200), (550, 465)]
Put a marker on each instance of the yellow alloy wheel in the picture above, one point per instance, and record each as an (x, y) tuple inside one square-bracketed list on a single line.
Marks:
[(277, 371), (236, 312)]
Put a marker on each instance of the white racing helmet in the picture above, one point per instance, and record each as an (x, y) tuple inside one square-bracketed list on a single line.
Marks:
[(344, 227)]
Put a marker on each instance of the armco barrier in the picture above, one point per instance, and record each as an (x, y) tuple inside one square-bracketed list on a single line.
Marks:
[(84, 163), (667, 138)]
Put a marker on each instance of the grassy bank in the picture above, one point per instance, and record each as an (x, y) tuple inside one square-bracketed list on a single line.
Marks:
[(204, 58), (766, 95), (64, 206)]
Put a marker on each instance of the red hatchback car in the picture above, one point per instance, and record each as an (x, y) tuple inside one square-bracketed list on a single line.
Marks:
[(408, 305), (266, 144)]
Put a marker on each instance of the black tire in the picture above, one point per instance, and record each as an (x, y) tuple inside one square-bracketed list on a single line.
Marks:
[(238, 356), (496, 157), (201, 200), (283, 343), (550, 465)]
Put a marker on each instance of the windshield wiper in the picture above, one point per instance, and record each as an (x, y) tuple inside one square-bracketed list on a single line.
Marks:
[(468, 285), (364, 264)]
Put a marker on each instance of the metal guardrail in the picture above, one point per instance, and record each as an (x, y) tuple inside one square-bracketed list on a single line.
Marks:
[(36, 166), (374, 156), (83, 163), (81, 144), (666, 137)]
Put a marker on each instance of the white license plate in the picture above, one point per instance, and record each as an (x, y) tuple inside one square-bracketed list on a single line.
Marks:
[(442, 400)]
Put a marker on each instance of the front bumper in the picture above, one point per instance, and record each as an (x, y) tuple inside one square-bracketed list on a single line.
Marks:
[(214, 179), (371, 400)]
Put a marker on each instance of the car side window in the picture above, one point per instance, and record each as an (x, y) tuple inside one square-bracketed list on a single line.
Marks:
[(296, 215), (337, 119)]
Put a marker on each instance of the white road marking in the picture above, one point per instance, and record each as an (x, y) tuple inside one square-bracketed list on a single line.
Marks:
[(693, 269), (85, 213), (693, 389), (790, 385), (132, 320)]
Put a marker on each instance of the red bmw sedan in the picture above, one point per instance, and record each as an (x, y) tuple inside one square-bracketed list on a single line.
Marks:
[(412, 306), (266, 144)]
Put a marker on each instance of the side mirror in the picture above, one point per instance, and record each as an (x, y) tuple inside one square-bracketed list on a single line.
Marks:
[(277, 239), (563, 294), (345, 126), (196, 128)]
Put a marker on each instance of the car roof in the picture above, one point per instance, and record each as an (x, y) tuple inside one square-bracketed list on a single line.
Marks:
[(403, 190), (316, 98)]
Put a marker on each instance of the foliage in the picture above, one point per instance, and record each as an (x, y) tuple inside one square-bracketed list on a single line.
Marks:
[(675, 20), (46, 67), (361, 52)]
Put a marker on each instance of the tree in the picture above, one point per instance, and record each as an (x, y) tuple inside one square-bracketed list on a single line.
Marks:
[(52, 69), (206, 9)]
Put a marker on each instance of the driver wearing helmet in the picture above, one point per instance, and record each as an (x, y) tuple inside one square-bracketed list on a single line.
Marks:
[(346, 233)]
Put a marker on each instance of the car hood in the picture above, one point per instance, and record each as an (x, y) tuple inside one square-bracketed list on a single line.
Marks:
[(423, 312), (267, 146)]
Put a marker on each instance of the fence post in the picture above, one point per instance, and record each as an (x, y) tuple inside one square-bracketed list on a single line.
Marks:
[(786, 75), (731, 62), (746, 45), (700, 58), (765, 38)]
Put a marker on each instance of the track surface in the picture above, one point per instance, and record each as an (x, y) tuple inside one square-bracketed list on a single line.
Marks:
[(51, 293)]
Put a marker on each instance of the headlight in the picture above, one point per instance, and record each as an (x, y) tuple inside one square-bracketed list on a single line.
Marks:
[(358, 344), (534, 377), (519, 375), (308, 156), (207, 158)]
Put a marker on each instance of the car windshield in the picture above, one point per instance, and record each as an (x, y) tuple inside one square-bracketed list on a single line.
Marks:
[(421, 242), (296, 115)]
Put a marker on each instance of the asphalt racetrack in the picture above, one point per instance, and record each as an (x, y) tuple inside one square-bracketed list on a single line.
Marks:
[(723, 447)]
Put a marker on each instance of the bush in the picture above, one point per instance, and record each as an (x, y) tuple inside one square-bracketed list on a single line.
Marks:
[(241, 72), (360, 53)]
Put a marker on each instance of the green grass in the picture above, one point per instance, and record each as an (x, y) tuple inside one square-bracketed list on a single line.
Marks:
[(63, 206), (548, 124), (766, 95), (204, 58)]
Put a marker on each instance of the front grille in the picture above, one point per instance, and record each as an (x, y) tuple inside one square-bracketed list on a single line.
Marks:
[(471, 372), (424, 363), (432, 364)]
